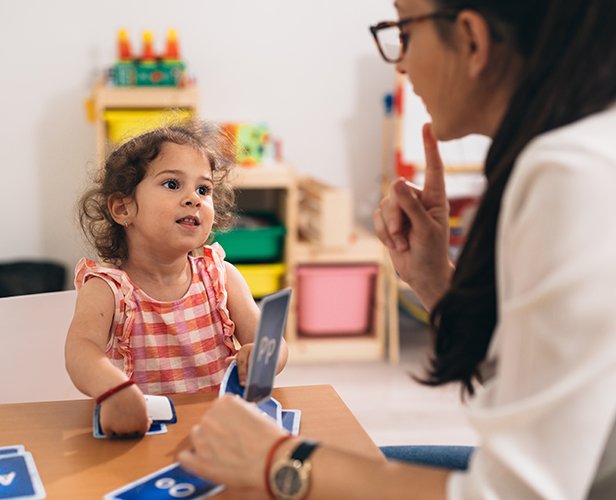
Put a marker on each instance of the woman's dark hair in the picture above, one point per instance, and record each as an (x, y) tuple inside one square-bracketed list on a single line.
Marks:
[(569, 72), (127, 165)]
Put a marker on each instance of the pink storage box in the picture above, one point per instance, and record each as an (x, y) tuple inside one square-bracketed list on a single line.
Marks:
[(335, 300)]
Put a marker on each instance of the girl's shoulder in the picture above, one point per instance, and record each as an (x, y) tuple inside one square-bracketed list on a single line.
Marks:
[(86, 269), (210, 260), (210, 252)]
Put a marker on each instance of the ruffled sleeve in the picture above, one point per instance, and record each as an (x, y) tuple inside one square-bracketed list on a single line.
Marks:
[(214, 260), (118, 347)]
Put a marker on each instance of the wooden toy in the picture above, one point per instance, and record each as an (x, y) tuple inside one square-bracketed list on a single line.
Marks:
[(150, 69)]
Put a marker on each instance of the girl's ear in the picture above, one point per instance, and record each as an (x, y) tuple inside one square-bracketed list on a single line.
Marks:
[(121, 208), (475, 41)]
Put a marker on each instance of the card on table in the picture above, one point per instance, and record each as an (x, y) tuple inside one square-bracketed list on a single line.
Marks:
[(290, 420), (11, 450), (166, 483), (19, 477), (231, 385), (160, 409)]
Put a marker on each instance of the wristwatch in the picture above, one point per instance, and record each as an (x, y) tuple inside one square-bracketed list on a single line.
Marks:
[(289, 478)]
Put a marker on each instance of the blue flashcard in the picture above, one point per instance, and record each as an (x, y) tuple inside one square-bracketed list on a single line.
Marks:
[(11, 450), (273, 408), (290, 420), (231, 382), (231, 385), (264, 355), (170, 482), (19, 477), (157, 428)]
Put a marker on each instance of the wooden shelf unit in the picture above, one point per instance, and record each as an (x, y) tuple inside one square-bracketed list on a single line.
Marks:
[(364, 249), (267, 179), (106, 97), (280, 179)]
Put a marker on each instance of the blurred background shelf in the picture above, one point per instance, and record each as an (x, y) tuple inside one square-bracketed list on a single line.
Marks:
[(330, 238)]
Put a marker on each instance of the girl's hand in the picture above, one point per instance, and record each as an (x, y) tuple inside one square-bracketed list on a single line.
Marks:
[(242, 357), (231, 443), (125, 413), (414, 225)]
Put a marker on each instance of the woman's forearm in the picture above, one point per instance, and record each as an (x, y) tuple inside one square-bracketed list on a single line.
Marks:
[(338, 474)]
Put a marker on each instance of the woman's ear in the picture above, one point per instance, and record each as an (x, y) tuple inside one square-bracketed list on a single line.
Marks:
[(475, 41), (121, 208)]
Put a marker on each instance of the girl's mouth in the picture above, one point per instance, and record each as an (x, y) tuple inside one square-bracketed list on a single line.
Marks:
[(192, 221)]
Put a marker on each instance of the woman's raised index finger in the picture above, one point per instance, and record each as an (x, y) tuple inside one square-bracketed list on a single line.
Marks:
[(434, 183)]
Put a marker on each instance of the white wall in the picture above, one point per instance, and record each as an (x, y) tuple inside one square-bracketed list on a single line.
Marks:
[(309, 69)]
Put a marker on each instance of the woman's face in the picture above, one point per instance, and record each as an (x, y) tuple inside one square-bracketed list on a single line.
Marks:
[(436, 71)]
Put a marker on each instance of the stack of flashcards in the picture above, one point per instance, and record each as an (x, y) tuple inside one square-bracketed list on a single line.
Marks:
[(18, 475), (288, 419), (263, 359), (160, 410)]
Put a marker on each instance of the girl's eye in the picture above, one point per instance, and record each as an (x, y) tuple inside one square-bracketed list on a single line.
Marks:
[(171, 184), (204, 190)]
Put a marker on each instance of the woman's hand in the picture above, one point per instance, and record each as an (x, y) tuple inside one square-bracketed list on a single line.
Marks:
[(414, 225), (231, 443), (125, 413)]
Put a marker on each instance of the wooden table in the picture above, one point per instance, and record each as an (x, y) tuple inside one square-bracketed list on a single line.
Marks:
[(72, 464)]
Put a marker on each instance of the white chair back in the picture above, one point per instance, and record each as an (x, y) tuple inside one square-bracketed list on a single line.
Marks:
[(32, 334)]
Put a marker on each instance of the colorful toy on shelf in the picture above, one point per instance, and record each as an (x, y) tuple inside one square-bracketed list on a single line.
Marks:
[(150, 69), (252, 141)]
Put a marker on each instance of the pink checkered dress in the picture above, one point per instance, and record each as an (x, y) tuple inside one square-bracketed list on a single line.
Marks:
[(170, 347)]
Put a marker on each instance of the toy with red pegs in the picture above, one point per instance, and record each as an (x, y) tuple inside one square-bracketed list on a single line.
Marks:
[(149, 69)]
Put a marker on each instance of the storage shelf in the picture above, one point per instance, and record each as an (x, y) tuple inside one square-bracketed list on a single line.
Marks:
[(109, 97), (265, 176), (337, 349), (278, 183), (106, 97), (364, 247)]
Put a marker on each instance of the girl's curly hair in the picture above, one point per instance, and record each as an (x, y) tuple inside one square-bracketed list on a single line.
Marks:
[(126, 166)]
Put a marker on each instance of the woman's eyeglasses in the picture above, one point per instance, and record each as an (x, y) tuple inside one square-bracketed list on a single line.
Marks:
[(391, 40)]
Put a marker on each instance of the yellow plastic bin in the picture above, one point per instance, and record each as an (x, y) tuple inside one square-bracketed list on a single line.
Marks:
[(123, 124), (262, 278)]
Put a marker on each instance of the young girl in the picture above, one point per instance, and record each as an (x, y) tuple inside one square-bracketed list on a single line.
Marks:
[(152, 313)]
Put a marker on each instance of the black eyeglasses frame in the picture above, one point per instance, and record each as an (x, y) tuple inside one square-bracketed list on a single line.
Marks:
[(404, 37)]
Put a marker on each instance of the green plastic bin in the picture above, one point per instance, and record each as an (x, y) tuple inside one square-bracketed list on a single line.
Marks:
[(253, 243)]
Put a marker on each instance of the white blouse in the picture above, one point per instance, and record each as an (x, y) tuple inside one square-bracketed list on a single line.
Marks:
[(547, 419)]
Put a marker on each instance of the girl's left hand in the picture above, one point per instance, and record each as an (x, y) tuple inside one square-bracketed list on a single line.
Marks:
[(230, 444), (242, 357)]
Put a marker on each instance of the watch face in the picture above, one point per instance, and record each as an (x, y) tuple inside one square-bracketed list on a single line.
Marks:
[(289, 480)]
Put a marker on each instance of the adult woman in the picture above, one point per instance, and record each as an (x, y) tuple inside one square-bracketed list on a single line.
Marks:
[(529, 297)]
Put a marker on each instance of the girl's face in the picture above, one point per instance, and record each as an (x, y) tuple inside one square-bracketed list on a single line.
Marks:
[(436, 71), (173, 209)]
